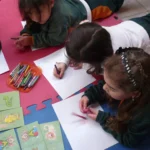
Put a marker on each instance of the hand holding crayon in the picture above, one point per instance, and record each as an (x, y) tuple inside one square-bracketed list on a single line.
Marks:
[(22, 41), (59, 69)]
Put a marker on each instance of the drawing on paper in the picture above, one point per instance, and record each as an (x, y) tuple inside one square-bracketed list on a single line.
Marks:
[(8, 100), (11, 118), (9, 142), (3, 143), (50, 132), (27, 134)]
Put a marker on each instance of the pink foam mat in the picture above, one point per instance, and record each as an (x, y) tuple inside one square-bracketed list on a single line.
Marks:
[(10, 26)]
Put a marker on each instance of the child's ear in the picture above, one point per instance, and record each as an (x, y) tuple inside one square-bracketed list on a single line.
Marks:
[(52, 3)]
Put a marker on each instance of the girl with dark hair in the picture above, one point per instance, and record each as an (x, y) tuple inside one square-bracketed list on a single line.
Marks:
[(49, 21), (127, 87), (91, 43)]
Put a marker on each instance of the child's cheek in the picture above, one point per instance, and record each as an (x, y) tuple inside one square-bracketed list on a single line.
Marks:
[(115, 96)]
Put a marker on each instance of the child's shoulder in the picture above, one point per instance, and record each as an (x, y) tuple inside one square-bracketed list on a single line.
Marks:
[(67, 7)]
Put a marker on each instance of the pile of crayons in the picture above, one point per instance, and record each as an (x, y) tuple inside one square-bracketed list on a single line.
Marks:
[(23, 76)]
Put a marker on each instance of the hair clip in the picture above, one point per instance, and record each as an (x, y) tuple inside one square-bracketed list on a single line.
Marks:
[(128, 69), (121, 50)]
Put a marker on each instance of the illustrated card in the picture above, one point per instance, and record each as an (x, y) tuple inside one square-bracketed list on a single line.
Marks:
[(9, 100), (52, 135), (30, 136), (12, 118), (8, 141)]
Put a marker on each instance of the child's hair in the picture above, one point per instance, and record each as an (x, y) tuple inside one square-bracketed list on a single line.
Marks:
[(130, 71), (25, 7), (89, 43)]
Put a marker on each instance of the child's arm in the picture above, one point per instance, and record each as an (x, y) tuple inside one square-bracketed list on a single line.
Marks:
[(53, 33), (96, 94), (31, 29), (49, 34)]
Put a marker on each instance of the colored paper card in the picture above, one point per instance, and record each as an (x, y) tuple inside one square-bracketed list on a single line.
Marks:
[(29, 135), (12, 118), (3, 64), (33, 48), (8, 141), (72, 81), (9, 100), (52, 135), (82, 134)]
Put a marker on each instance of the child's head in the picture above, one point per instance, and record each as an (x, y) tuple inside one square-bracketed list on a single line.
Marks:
[(127, 77), (89, 43), (36, 10), (127, 73)]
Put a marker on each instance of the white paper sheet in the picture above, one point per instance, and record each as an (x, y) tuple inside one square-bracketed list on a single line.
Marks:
[(73, 80), (3, 64), (33, 48), (82, 134)]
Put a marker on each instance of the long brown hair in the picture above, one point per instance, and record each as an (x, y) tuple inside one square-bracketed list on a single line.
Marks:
[(89, 43), (139, 62)]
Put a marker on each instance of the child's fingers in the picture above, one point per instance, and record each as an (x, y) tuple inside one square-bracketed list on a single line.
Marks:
[(84, 105), (92, 116), (92, 111), (55, 73), (81, 106), (19, 45), (61, 73)]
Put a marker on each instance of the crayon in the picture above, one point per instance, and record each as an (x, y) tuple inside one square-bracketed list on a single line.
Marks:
[(27, 69), (14, 38), (33, 81), (22, 69), (16, 69), (58, 71), (26, 85), (79, 116), (26, 78)]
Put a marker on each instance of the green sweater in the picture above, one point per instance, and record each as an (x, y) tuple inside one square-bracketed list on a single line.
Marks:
[(138, 128), (65, 14)]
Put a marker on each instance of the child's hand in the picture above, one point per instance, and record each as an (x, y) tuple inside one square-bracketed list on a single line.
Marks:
[(24, 41), (83, 104), (75, 65), (61, 67), (92, 113)]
